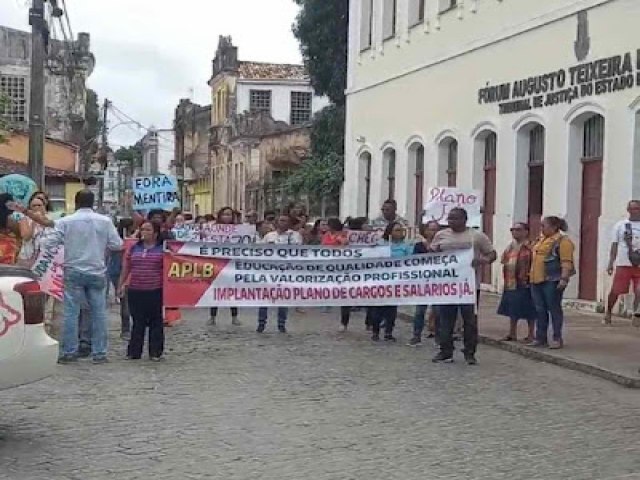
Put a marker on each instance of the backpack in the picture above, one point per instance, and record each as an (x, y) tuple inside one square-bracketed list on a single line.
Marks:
[(634, 255)]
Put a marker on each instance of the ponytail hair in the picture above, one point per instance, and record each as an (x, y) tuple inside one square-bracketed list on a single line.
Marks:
[(557, 223)]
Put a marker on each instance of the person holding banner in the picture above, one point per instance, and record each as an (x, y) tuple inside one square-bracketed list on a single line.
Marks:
[(336, 237), (389, 214), (428, 232), (394, 236), (225, 216), (143, 269), (283, 235), (86, 236), (460, 237)]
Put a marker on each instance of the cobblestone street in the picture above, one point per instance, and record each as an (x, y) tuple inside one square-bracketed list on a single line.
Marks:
[(316, 404)]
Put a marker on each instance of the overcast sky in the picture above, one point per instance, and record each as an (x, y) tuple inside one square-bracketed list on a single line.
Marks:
[(151, 53)]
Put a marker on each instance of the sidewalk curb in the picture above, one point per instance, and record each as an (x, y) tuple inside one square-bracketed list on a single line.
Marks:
[(542, 356)]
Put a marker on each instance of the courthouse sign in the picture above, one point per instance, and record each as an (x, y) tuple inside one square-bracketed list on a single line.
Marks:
[(606, 75)]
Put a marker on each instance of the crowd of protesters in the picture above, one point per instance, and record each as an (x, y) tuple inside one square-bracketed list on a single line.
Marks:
[(128, 257)]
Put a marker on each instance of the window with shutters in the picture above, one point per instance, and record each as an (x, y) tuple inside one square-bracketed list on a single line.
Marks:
[(389, 12), (260, 101), (452, 164), (300, 107), (593, 146), (14, 88), (416, 12), (366, 25)]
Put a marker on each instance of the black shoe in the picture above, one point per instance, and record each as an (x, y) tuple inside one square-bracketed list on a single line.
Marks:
[(415, 342), (375, 337), (100, 360), (431, 335), (260, 328), (66, 359), (157, 359), (389, 338), (84, 352), (282, 329), (470, 359), (442, 358)]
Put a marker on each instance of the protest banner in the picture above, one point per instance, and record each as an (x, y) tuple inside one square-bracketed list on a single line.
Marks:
[(160, 191), (200, 275), (364, 237), (215, 233), (440, 200), (48, 266)]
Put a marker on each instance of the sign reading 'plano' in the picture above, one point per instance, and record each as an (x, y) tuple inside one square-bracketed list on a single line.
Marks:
[(440, 201), (159, 191), (606, 75)]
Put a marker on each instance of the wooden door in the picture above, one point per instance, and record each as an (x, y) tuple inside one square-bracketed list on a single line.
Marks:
[(488, 212), (590, 214), (536, 189)]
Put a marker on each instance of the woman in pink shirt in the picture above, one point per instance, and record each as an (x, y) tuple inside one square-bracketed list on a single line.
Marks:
[(143, 270)]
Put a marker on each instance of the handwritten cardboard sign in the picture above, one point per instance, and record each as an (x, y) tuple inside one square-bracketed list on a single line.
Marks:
[(157, 192), (440, 201)]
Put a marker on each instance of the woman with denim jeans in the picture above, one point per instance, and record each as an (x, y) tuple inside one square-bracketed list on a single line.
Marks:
[(427, 231), (552, 266), (225, 216)]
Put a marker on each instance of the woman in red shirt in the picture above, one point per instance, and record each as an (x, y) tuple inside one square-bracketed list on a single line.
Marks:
[(143, 270), (336, 237)]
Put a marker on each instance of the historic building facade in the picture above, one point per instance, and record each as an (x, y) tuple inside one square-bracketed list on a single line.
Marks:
[(68, 67), (259, 118), (536, 104)]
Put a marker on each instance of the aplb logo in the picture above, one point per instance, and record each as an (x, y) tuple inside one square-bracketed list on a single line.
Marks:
[(9, 316), (194, 270)]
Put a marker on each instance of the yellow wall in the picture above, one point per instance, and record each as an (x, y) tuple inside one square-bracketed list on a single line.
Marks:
[(70, 190), (202, 196), (56, 154)]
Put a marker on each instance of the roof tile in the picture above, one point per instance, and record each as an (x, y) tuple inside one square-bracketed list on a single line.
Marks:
[(272, 71)]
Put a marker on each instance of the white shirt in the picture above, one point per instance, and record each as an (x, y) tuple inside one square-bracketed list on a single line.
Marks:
[(87, 235), (622, 260), (289, 237)]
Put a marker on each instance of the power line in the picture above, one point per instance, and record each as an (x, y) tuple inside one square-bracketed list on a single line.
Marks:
[(140, 124)]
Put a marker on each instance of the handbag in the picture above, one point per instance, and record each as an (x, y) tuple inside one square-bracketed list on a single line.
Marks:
[(634, 255)]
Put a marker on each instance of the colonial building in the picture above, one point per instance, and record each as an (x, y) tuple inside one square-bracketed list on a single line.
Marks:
[(192, 163), (536, 104), (68, 67), (259, 118)]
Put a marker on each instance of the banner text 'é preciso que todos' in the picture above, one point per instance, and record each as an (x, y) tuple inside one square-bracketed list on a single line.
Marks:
[(208, 275)]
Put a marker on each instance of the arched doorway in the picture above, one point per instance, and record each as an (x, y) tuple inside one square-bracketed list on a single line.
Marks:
[(536, 178), (416, 182), (485, 161), (593, 130)]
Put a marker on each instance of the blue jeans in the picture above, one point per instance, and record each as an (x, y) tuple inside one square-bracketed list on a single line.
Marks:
[(547, 300), (282, 315), (418, 320), (80, 288)]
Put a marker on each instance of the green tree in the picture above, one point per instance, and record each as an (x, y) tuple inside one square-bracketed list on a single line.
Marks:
[(131, 156), (322, 28)]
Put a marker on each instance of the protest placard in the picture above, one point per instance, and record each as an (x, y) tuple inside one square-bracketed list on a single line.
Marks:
[(200, 275), (440, 200), (364, 237), (48, 266), (159, 191), (215, 233)]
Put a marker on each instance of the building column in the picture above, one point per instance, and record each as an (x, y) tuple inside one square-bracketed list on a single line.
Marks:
[(377, 187), (402, 182)]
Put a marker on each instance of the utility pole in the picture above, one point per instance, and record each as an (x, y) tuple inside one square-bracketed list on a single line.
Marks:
[(39, 39), (104, 152)]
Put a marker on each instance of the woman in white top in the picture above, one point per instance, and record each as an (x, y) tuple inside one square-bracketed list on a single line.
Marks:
[(35, 233)]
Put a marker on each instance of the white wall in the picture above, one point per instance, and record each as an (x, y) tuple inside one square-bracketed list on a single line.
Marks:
[(424, 84), (280, 97)]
